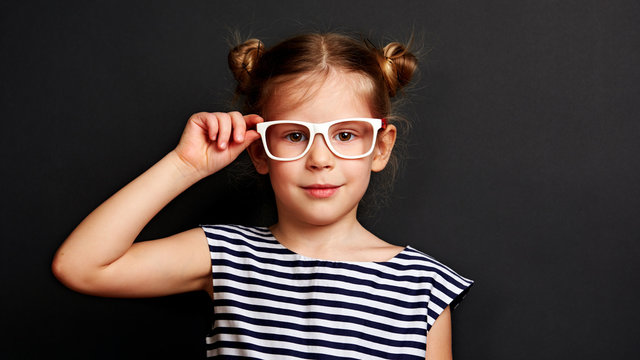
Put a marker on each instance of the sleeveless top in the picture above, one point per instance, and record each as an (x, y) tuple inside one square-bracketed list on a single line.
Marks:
[(272, 303)]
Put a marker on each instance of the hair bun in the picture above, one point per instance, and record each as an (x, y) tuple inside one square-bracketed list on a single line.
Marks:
[(243, 59), (398, 66)]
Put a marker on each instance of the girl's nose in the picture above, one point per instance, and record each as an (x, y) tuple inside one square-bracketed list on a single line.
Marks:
[(320, 156)]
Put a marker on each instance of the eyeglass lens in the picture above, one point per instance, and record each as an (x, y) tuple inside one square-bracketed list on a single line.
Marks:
[(348, 138)]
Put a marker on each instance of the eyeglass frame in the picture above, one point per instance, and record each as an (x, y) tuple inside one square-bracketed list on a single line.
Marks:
[(323, 129)]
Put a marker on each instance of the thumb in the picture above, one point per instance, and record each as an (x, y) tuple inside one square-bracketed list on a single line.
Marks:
[(252, 119), (249, 137)]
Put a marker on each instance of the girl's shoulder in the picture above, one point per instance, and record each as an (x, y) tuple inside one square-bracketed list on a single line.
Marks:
[(441, 277), (240, 238), (413, 259), (240, 230)]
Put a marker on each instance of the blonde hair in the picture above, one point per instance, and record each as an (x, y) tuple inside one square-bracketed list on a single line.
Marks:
[(259, 70)]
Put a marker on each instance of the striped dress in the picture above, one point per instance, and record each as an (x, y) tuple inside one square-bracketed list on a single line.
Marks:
[(271, 303)]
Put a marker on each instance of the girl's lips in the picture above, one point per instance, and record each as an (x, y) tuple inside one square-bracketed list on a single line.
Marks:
[(321, 191)]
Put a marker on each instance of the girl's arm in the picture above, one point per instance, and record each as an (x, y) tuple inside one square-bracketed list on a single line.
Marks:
[(439, 338), (99, 256)]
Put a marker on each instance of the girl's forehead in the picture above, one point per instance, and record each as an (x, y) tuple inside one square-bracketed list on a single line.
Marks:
[(335, 96)]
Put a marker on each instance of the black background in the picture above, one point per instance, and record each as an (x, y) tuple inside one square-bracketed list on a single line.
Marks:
[(522, 169)]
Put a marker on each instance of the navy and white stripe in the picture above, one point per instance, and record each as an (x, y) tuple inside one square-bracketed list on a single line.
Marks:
[(271, 303)]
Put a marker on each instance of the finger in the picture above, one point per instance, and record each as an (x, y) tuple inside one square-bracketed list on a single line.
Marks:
[(211, 123), (252, 119), (249, 137), (224, 130), (239, 126)]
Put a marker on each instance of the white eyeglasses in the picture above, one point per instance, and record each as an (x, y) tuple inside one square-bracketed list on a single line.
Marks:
[(288, 140)]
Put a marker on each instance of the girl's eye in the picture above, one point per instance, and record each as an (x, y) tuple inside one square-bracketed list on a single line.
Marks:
[(344, 136), (295, 137)]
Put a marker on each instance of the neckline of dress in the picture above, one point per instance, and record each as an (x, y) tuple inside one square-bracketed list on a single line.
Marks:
[(355, 262)]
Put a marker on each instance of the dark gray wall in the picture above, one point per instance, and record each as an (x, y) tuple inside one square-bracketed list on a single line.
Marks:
[(522, 171)]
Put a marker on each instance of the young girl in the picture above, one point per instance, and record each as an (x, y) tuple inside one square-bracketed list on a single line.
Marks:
[(316, 284)]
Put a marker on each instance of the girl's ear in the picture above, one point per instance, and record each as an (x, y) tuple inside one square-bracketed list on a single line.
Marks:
[(258, 157), (382, 152)]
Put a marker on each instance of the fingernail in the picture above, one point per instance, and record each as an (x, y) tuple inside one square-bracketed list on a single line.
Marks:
[(222, 145)]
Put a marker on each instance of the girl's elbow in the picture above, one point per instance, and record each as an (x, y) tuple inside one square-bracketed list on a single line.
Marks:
[(61, 270), (70, 275)]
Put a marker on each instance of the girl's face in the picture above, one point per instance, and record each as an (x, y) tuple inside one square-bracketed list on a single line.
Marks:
[(320, 188)]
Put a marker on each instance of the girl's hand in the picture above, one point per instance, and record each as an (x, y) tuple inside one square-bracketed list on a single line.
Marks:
[(211, 141)]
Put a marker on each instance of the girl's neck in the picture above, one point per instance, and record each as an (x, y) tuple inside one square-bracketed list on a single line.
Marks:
[(328, 241), (343, 240)]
